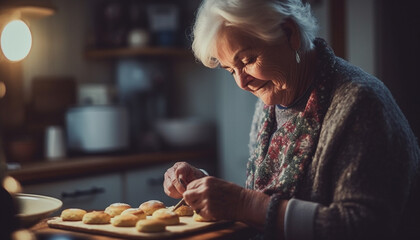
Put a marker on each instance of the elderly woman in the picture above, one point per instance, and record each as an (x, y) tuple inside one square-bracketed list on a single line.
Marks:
[(331, 154)]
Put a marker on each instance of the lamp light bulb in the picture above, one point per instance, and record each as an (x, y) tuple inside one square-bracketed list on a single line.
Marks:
[(16, 40)]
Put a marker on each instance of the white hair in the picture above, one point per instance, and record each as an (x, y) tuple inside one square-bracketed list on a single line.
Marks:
[(260, 18)]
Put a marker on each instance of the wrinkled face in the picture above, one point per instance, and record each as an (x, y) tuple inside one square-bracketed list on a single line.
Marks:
[(258, 67)]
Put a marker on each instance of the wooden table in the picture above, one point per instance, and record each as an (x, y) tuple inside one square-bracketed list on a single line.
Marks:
[(236, 230)]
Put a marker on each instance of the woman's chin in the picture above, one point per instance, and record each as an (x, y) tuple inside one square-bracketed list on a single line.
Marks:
[(268, 101), (270, 97)]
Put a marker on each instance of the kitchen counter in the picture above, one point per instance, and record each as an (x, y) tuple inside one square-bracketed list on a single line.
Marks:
[(44, 171)]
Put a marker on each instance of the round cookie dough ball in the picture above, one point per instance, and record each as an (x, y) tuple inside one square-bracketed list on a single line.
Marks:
[(184, 210), (150, 226), (140, 214), (96, 217), (116, 209), (126, 220), (166, 216), (72, 214), (150, 206)]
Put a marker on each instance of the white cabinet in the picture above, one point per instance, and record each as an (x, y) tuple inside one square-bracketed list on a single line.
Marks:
[(90, 193)]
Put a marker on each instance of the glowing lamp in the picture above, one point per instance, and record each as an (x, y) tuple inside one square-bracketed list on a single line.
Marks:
[(16, 40)]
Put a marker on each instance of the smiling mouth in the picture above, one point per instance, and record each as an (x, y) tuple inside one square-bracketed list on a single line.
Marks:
[(258, 88)]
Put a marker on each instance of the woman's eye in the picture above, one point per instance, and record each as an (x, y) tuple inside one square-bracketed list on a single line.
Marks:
[(249, 60)]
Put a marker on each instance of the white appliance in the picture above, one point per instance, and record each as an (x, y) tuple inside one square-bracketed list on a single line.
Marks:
[(95, 94), (97, 128)]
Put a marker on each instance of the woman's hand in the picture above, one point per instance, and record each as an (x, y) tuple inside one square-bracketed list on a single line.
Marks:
[(214, 198), (180, 171)]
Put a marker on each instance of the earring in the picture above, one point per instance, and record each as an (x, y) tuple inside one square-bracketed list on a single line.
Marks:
[(297, 57)]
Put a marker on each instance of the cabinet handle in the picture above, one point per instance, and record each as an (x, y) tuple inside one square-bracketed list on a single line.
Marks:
[(155, 181), (80, 193)]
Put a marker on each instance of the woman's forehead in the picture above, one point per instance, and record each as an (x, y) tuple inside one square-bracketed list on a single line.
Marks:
[(230, 40)]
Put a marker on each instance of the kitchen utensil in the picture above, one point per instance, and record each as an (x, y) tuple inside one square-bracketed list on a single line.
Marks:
[(179, 204), (33, 208), (182, 202), (93, 129), (55, 146)]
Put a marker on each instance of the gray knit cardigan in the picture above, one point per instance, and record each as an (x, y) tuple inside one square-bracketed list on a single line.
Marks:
[(364, 172)]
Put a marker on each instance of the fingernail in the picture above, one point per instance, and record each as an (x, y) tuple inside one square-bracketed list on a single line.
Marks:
[(182, 183)]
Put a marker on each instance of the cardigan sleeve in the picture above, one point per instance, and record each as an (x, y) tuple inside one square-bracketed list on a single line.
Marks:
[(299, 215), (368, 158)]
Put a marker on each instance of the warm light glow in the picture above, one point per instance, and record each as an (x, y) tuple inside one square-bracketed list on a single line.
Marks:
[(23, 234), (11, 185), (16, 40), (2, 89)]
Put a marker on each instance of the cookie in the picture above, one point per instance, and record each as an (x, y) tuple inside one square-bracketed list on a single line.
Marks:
[(166, 216), (184, 210), (116, 209), (72, 214), (150, 206), (96, 217), (140, 214), (150, 226), (126, 220)]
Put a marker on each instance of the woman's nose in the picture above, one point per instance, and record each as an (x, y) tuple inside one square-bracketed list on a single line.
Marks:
[(242, 79)]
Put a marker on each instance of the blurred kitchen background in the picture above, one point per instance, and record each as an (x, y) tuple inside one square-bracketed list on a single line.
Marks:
[(114, 83)]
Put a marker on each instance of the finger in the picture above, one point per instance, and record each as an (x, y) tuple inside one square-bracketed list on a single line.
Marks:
[(169, 175), (175, 183), (203, 212), (199, 208), (193, 184), (171, 191), (197, 183), (171, 185), (182, 181), (193, 196), (202, 209), (168, 184), (182, 172), (188, 172), (194, 200)]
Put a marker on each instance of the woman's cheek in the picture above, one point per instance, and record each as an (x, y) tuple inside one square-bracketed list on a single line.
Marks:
[(268, 71)]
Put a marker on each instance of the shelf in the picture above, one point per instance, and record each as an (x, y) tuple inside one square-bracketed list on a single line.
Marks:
[(137, 52), (44, 171)]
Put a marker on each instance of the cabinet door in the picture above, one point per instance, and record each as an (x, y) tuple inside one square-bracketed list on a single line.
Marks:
[(90, 193), (147, 183)]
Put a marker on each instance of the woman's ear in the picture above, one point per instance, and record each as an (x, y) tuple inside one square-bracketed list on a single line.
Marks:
[(292, 32)]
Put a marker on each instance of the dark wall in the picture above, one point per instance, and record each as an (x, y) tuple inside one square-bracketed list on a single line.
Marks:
[(398, 48)]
